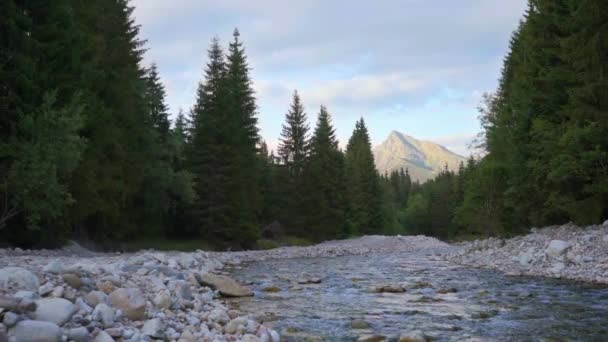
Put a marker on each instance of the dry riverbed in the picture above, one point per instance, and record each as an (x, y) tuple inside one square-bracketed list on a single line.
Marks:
[(76, 295), (563, 252)]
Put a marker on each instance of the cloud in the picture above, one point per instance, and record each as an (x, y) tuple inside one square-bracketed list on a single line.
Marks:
[(459, 144), (396, 62)]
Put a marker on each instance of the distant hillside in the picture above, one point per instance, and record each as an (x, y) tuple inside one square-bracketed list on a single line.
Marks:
[(423, 159)]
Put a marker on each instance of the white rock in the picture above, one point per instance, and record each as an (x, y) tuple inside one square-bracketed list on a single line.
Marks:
[(36, 331), (10, 319), (58, 292), (18, 278), (96, 297), (55, 267), (218, 315), (104, 314), (274, 336), (525, 259), (557, 268), (80, 334), (26, 295), (82, 306), (154, 328), (250, 338), (235, 325), (46, 288), (162, 300), (55, 310), (103, 337), (557, 248)]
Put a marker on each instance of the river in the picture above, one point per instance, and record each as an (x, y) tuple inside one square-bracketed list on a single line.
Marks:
[(443, 301)]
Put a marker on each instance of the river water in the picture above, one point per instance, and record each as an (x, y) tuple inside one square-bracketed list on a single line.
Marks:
[(444, 301)]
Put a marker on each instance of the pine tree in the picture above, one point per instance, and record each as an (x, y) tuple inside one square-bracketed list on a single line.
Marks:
[(325, 182), (293, 152), (365, 212)]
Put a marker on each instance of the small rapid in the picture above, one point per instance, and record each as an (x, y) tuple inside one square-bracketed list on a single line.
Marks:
[(416, 294)]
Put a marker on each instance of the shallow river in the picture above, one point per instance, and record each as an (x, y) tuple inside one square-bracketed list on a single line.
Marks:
[(443, 301)]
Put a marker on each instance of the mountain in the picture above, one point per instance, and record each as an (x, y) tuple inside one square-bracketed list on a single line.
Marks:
[(423, 159)]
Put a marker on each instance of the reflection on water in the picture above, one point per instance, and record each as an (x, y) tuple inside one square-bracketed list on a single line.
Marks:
[(444, 301)]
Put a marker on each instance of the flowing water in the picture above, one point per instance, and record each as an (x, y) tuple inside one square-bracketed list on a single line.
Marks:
[(444, 301)]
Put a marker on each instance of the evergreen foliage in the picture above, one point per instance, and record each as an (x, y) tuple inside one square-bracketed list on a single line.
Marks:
[(293, 152), (364, 191), (87, 148)]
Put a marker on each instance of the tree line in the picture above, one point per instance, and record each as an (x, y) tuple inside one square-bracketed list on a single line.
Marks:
[(88, 150)]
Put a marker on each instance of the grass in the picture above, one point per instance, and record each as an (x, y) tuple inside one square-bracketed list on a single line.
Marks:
[(285, 241), (169, 245), (184, 245)]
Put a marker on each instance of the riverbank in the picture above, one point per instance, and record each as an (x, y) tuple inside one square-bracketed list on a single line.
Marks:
[(564, 252), (78, 295)]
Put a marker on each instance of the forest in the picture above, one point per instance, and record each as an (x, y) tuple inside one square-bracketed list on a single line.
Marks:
[(88, 150)]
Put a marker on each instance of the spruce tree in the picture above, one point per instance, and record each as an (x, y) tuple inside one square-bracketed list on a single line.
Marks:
[(244, 138), (206, 156), (325, 182), (365, 193), (155, 100), (293, 151)]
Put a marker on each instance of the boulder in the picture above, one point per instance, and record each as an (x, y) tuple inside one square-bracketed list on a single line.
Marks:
[(225, 285), (131, 301), (55, 310), (556, 248), (18, 278), (36, 331)]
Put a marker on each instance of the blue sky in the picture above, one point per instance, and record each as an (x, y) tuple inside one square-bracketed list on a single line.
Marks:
[(416, 66)]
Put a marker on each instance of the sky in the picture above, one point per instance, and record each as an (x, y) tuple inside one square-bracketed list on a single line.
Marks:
[(416, 66)]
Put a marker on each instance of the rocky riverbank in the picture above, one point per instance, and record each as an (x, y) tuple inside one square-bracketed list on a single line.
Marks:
[(565, 252), (77, 295)]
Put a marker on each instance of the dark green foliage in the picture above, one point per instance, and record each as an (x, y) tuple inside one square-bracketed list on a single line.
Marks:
[(293, 152), (224, 149), (363, 184), (44, 157), (326, 185)]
